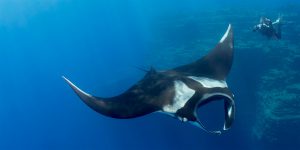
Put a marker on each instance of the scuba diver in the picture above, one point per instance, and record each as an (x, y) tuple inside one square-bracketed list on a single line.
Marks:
[(268, 28)]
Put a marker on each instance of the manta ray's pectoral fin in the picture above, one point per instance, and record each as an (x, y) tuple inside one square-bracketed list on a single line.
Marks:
[(124, 106), (209, 74), (95, 103), (217, 63)]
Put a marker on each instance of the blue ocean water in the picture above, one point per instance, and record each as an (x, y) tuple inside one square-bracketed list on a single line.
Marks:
[(99, 44)]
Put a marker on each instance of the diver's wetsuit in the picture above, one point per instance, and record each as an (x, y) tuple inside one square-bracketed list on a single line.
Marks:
[(266, 27)]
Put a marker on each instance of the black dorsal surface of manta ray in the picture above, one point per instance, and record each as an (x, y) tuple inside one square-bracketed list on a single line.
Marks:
[(178, 92)]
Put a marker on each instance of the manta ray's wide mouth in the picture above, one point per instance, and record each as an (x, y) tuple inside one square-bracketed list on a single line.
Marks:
[(215, 114)]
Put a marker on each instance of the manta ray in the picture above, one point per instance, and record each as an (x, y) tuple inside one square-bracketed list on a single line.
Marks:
[(178, 92)]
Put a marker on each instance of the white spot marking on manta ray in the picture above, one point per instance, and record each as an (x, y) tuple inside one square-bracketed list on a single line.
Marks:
[(210, 83), (206, 96), (229, 111), (75, 87), (226, 34), (182, 94)]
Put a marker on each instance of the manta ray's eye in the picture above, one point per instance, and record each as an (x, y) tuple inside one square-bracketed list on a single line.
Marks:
[(211, 114)]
